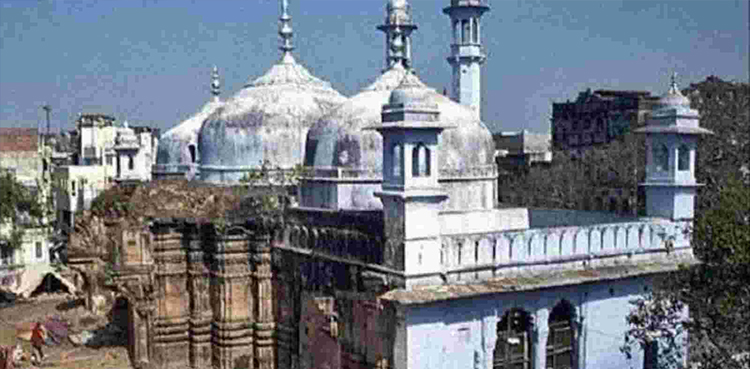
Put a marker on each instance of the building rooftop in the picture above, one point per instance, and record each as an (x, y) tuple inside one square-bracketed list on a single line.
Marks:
[(526, 281), (14, 139)]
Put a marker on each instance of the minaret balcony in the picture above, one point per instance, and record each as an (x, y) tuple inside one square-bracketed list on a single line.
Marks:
[(467, 49), (469, 2)]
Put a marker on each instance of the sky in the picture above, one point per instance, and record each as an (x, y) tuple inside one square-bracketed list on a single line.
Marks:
[(149, 62)]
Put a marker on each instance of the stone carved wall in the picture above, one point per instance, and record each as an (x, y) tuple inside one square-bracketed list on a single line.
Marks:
[(237, 297)]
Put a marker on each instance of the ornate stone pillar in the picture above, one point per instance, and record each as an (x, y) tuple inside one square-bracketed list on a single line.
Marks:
[(232, 332), (265, 326), (170, 329), (200, 312), (541, 326)]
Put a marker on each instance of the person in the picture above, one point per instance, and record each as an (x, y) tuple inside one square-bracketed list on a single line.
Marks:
[(37, 341)]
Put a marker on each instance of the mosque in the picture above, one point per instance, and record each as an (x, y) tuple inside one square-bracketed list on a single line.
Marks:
[(396, 255)]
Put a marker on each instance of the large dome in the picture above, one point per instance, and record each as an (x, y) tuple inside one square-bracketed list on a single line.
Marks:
[(266, 121), (339, 142)]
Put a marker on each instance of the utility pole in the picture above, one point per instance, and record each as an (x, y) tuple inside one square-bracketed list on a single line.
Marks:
[(47, 109)]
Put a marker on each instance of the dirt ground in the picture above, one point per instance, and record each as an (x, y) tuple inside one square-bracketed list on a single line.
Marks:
[(65, 355)]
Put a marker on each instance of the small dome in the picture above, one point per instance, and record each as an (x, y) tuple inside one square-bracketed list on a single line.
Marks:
[(398, 4), (410, 91), (266, 121), (673, 97), (398, 12)]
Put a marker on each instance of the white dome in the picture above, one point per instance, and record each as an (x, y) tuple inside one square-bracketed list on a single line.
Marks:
[(174, 145), (266, 121)]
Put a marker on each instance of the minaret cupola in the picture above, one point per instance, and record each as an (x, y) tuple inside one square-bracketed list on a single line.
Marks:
[(671, 141), (466, 56), (398, 28)]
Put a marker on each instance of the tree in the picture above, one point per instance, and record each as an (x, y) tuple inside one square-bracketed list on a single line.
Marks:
[(715, 290), (19, 208), (572, 178), (724, 109)]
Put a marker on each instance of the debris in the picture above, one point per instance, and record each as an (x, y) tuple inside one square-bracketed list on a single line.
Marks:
[(81, 338), (33, 276)]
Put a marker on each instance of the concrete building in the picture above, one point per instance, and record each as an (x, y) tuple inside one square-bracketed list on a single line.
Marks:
[(27, 157), (390, 262), (105, 154), (598, 118), (126, 153), (516, 151)]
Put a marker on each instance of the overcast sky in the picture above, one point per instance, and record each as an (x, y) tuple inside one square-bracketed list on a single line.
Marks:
[(148, 61)]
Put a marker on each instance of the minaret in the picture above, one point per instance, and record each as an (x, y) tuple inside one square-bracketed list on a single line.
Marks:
[(215, 84), (671, 141), (398, 28), (411, 195), (286, 33), (466, 51)]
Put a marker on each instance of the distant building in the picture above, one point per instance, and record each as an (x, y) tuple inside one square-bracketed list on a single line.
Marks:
[(599, 117), (105, 153), (518, 150)]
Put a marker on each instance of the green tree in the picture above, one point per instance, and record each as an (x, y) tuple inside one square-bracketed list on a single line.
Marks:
[(716, 291), (19, 209)]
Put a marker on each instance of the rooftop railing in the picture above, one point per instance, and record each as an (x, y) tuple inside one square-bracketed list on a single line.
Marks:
[(484, 255)]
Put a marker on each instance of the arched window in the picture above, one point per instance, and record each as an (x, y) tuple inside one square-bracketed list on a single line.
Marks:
[(561, 342), (191, 149), (465, 31), (475, 31), (513, 347), (683, 158), (420, 161), (397, 154), (661, 158)]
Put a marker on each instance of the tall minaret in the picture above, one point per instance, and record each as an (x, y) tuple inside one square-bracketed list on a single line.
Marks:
[(398, 28), (466, 51)]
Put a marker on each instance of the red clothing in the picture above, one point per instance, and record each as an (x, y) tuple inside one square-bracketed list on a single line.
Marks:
[(37, 338)]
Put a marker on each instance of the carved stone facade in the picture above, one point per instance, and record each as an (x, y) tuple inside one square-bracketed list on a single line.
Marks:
[(253, 295)]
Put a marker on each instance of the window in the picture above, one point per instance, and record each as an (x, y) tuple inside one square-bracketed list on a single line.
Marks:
[(6, 254), (397, 153), (683, 158), (191, 148), (109, 160), (73, 187), (561, 341), (420, 161), (38, 250), (466, 30), (131, 165), (513, 347), (661, 158)]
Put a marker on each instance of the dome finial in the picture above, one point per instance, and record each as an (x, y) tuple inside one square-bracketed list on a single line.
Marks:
[(285, 29), (673, 83), (215, 83)]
